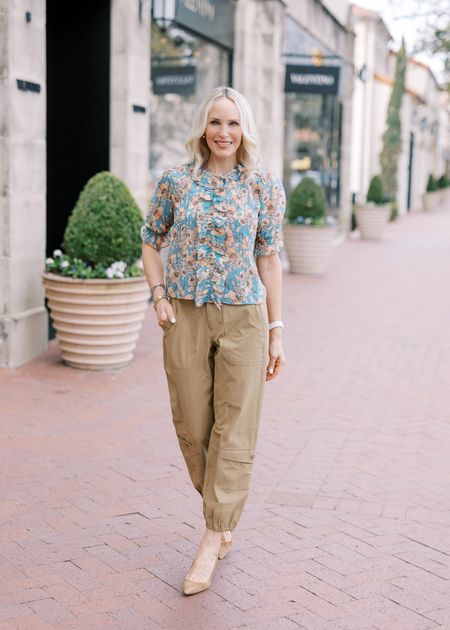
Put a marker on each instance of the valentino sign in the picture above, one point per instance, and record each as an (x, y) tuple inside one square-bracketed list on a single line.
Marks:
[(312, 79)]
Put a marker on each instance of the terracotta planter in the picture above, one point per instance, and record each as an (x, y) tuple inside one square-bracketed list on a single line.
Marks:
[(430, 200), (372, 220), (308, 247), (442, 199), (97, 322)]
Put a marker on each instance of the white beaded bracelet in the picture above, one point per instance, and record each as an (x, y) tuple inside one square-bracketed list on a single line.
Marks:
[(278, 324)]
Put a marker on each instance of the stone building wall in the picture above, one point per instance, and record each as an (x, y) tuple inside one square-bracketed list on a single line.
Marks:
[(259, 72), (130, 78), (23, 317)]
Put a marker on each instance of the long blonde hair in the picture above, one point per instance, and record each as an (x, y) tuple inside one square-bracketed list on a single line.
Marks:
[(196, 146)]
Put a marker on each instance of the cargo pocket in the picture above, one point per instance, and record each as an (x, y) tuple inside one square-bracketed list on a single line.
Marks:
[(245, 337), (236, 468)]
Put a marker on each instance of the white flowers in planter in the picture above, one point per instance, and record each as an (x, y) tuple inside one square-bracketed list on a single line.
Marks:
[(327, 220), (76, 268), (116, 270)]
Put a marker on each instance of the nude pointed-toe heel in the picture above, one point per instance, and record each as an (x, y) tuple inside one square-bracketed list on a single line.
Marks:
[(191, 587), (225, 544)]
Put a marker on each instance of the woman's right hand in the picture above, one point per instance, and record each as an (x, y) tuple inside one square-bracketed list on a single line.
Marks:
[(164, 313)]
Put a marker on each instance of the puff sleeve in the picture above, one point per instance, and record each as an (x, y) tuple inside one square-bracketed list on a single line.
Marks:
[(270, 219), (159, 219)]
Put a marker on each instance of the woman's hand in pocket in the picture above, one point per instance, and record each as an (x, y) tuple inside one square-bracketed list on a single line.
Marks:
[(164, 313)]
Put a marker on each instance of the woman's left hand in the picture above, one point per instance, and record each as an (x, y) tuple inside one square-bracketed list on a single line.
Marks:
[(277, 357)]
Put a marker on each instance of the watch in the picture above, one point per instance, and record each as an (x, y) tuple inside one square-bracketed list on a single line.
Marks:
[(278, 324)]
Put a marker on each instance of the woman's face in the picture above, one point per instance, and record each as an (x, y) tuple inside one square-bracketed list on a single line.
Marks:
[(223, 129)]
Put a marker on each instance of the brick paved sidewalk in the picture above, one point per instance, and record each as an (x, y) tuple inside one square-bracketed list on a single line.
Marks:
[(348, 522)]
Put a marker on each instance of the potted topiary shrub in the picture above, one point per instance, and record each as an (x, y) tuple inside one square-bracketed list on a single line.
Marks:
[(374, 215), (308, 232), (96, 291), (430, 197)]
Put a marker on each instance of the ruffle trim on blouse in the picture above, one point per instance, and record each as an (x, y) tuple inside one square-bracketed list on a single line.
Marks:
[(209, 180)]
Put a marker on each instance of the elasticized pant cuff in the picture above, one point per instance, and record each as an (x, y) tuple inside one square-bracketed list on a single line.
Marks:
[(219, 528)]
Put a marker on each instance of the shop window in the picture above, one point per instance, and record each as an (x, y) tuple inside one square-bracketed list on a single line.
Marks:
[(313, 130), (205, 65), (313, 114)]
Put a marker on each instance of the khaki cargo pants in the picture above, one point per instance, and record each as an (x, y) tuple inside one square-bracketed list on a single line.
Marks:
[(215, 361)]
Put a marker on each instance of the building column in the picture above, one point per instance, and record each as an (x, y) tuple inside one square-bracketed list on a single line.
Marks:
[(130, 85), (23, 316), (259, 72)]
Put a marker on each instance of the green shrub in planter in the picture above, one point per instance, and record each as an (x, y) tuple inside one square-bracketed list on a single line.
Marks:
[(375, 194), (307, 204), (372, 216), (443, 181), (105, 224), (432, 184)]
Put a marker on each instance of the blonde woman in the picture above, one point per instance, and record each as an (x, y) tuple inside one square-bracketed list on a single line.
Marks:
[(219, 307)]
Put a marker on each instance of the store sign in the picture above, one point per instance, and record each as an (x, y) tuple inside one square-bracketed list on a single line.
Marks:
[(174, 79), (312, 79), (213, 19)]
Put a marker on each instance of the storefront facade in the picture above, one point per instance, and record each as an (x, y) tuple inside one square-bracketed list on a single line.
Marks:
[(313, 127), (424, 116), (137, 108), (318, 70), (294, 63), (74, 101)]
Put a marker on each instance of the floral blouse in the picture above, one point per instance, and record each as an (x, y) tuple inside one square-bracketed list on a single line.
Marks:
[(215, 227)]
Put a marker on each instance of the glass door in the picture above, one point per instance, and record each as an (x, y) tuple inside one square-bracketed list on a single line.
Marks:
[(312, 143)]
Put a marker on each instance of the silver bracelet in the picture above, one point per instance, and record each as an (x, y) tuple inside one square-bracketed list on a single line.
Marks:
[(278, 324)]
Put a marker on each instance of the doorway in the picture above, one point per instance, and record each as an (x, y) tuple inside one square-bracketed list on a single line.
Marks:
[(78, 99)]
